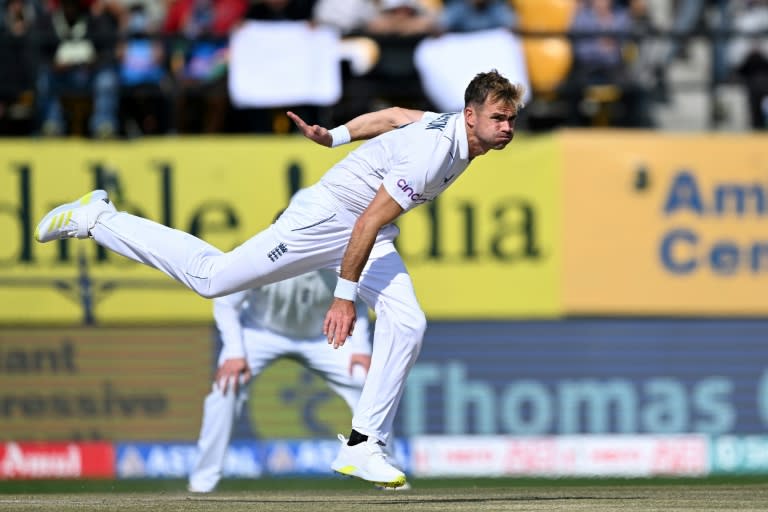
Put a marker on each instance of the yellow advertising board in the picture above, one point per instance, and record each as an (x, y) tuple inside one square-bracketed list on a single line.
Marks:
[(103, 383), (671, 224), (222, 190), (487, 248)]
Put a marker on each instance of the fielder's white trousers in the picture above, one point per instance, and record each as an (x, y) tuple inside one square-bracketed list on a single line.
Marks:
[(220, 411), (312, 233)]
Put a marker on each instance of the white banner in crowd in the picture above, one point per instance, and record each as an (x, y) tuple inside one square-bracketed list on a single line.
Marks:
[(277, 64), (447, 63)]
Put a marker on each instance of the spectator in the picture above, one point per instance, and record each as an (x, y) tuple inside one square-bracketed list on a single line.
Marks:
[(280, 10), (602, 31), (143, 76), (382, 17), (644, 52), (196, 18), (17, 73), (475, 15), (78, 44), (348, 16), (273, 120), (396, 27), (748, 57), (689, 14), (199, 60), (154, 12), (405, 18)]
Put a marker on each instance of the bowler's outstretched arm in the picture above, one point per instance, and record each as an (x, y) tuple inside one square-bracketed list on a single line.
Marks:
[(362, 127)]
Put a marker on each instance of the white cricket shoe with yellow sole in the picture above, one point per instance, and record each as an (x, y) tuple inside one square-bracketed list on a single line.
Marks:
[(75, 219), (367, 461)]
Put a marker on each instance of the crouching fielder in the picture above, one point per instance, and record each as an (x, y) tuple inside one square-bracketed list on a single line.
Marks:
[(258, 327)]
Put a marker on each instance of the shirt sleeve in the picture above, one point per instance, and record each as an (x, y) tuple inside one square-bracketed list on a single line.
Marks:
[(226, 314), (406, 180)]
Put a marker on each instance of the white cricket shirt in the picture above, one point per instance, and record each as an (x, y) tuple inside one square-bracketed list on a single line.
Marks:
[(415, 163)]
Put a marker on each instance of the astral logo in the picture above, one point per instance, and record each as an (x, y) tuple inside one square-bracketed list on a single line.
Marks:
[(414, 196)]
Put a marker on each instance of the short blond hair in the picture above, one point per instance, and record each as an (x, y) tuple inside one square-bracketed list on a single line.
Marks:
[(494, 85)]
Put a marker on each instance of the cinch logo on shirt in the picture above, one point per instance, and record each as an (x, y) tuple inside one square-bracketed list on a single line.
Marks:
[(412, 194)]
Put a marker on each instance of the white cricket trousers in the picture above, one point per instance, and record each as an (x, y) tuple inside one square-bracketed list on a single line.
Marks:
[(312, 233), (220, 411)]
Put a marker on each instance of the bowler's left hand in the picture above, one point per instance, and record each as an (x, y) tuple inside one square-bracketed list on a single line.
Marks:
[(339, 322)]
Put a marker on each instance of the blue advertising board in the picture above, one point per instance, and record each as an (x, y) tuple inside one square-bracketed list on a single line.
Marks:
[(589, 376)]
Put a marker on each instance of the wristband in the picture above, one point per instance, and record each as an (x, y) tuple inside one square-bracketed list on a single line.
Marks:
[(340, 135), (345, 289)]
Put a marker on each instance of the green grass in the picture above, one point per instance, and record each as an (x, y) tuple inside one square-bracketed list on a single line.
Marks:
[(726, 494), (290, 484)]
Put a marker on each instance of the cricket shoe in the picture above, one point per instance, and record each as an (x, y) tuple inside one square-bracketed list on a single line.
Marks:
[(198, 490), (389, 452), (367, 461), (75, 219)]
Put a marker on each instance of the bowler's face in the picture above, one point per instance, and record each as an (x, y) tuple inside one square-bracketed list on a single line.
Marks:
[(494, 124)]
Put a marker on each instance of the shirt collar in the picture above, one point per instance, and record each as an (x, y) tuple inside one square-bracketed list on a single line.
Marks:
[(461, 136)]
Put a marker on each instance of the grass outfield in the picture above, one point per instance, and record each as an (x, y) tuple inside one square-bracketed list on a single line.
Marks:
[(444, 495)]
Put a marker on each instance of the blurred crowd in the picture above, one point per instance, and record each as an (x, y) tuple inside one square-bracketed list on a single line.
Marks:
[(127, 68)]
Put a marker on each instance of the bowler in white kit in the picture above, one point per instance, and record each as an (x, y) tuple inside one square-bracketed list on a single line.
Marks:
[(344, 222)]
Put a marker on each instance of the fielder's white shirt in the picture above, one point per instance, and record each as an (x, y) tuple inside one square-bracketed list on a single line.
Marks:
[(415, 163), (294, 308)]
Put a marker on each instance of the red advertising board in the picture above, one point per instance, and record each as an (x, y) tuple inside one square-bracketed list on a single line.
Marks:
[(23, 461)]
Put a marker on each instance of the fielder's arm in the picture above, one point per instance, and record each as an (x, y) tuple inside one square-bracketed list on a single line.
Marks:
[(234, 366)]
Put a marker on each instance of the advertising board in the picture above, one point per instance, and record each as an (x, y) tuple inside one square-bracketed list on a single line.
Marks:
[(497, 227), (669, 224)]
